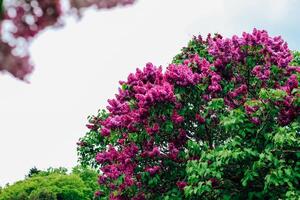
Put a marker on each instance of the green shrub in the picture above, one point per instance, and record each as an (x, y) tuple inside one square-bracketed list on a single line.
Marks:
[(54, 184)]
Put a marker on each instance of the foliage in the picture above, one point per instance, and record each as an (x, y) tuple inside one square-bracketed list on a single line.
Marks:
[(296, 60), (33, 171), (221, 122), (88, 146), (54, 184)]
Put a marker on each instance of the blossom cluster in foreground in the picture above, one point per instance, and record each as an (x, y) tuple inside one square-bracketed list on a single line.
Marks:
[(22, 20)]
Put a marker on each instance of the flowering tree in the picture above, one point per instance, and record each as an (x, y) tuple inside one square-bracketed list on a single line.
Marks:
[(22, 20), (223, 121)]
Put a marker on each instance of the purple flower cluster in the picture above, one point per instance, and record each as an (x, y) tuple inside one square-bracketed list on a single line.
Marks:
[(173, 151), (200, 119), (224, 50), (129, 112), (206, 73), (118, 163), (261, 72), (153, 130), (181, 184), (176, 118), (77, 5), (288, 109), (232, 50), (18, 66), (147, 88), (28, 18), (181, 75), (157, 94), (153, 170), (275, 49)]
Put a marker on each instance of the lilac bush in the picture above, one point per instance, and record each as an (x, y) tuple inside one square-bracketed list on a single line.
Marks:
[(199, 129)]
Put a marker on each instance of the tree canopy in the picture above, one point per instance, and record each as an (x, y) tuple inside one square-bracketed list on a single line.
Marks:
[(221, 122), (53, 184)]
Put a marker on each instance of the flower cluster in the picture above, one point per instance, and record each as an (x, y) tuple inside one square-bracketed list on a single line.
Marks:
[(18, 66), (25, 19), (30, 17), (77, 5), (155, 120), (156, 94), (182, 75), (237, 49), (128, 122)]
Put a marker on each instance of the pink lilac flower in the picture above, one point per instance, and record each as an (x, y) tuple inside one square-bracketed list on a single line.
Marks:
[(181, 75), (200, 119), (181, 184), (153, 170), (173, 151), (176, 118), (98, 193)]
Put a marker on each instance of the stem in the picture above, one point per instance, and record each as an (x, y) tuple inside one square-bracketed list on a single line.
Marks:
[(285, 151), (209, 137)]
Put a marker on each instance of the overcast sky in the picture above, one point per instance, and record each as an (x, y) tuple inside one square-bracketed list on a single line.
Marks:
[(78, 68)]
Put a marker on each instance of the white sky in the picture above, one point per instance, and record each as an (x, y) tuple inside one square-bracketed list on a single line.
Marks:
[(78, 68)]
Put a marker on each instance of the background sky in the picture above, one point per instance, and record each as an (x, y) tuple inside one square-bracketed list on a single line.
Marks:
[(78, 68)]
